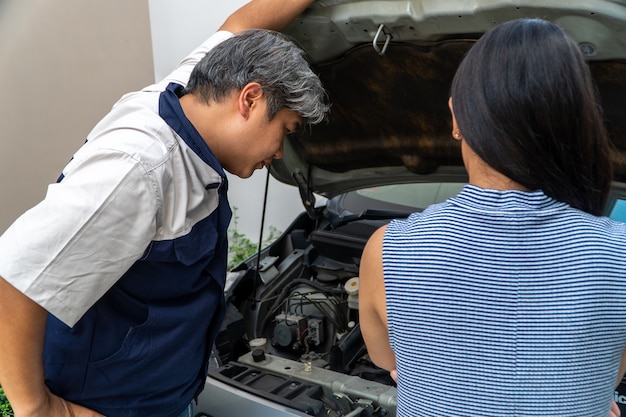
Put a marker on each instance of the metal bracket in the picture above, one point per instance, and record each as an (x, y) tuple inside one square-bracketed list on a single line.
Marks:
[(387, 39)]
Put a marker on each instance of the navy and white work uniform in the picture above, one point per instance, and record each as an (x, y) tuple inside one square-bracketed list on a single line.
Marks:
[(127, 252)]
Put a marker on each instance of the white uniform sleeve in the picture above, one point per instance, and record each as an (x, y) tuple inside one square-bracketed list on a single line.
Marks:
[(67, 251)]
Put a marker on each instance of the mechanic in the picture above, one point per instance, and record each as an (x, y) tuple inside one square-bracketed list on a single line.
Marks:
[(511, 293), (112, 287)]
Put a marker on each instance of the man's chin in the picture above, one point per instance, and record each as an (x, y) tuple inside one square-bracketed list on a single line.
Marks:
[(246, 174), (241, 174)]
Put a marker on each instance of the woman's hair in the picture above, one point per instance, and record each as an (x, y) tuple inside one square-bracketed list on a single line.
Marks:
[(266, 57), (525, 102)]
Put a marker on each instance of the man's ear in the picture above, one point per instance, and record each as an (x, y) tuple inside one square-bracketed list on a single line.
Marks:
[(249, 98)]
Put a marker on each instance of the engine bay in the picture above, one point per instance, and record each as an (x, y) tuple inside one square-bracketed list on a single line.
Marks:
[(295, 324)]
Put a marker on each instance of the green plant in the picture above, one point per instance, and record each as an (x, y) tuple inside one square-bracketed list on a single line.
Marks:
[(240, 247), (5, 407)]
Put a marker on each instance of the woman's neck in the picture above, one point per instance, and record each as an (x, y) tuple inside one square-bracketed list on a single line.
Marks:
[(484, 176)]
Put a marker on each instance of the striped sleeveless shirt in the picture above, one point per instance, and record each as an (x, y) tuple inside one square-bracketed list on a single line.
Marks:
[(505, 303)]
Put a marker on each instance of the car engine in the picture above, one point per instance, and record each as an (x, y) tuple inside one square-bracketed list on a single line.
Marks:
[(293, 319)]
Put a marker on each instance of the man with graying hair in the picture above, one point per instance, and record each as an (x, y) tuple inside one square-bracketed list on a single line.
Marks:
[(111, 288)]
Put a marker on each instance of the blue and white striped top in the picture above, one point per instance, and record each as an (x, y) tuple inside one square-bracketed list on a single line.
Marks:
[(505, 303)]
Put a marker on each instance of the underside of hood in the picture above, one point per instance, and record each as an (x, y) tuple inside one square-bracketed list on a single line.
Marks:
[(387, 67)]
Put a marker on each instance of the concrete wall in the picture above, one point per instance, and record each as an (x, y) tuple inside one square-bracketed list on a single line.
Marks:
[(63, 63)]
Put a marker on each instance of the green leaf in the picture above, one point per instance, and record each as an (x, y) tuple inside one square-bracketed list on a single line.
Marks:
[(5, 407), (240, 247)]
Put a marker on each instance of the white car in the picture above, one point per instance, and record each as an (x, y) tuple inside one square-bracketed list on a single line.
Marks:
[(291, 343)]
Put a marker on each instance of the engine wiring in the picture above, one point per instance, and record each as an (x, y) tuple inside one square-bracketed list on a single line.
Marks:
[(333, 313)]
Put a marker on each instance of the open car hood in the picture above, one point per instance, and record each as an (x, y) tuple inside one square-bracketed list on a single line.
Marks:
[(388, 65)]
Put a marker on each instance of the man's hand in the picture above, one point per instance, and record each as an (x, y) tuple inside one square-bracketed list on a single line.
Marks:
[(58, 407), (22, 326)]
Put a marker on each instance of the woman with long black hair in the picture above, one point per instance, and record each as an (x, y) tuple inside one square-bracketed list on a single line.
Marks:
[(512, 293)]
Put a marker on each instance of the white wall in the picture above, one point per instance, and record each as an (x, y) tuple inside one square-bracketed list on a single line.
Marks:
[(177, 27)]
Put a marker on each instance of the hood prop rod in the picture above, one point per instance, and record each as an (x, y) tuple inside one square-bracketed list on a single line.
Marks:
[(255, 299), (306, 195)]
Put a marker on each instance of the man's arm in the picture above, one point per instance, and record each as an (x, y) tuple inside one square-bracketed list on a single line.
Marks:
[(372, 303), (22, 329), (265, 14), (257, 14), (22, 324)]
